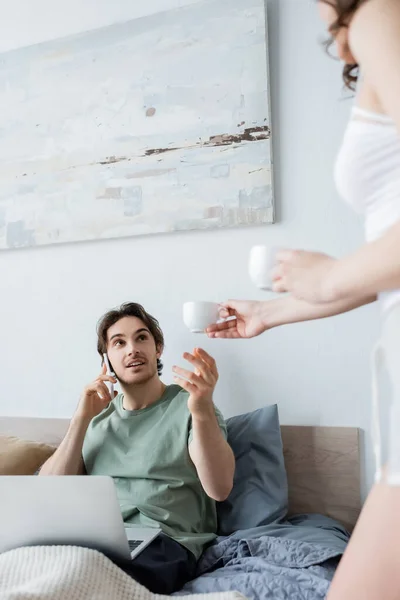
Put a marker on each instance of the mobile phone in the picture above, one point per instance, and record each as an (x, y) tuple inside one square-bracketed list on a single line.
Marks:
[(109, 384)]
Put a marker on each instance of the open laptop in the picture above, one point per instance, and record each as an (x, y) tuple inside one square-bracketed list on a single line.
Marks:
[(67, 510)]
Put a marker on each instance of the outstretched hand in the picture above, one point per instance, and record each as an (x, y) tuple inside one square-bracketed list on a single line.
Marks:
[(201, 383), (246, 322)]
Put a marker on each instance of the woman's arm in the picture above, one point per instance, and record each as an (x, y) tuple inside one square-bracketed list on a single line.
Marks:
[(374, 268), (319, 279), (251, 318), (375, 42), (293, 310)]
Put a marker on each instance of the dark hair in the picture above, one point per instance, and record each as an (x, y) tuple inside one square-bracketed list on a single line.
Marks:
[(129, 309), (345, 9)]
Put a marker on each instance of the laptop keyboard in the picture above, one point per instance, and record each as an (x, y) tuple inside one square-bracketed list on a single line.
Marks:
[(133, 544)]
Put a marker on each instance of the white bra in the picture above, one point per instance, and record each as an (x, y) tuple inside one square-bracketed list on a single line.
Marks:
[(367, 175)]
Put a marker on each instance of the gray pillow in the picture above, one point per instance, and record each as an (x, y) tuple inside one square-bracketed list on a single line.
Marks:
[(260, 492)]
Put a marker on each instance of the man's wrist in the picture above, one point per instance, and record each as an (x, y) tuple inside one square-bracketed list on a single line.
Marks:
[(205, 414), (81, 420)]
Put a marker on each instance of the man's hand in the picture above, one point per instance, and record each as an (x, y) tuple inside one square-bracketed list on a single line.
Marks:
[(200, 384), (248, 321), (305, 275), (67, 459), (209, 451), (95, 397)]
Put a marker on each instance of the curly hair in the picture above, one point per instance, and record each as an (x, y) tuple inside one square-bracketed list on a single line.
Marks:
[(345, 9), (129, 309)]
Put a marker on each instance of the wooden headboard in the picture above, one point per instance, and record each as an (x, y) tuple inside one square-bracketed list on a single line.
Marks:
[(322, 463), (323, 468)]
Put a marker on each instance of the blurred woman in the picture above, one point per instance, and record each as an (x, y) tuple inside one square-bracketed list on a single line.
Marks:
[(367, 173)]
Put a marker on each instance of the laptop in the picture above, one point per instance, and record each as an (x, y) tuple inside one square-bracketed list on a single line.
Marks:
[(67, 510)]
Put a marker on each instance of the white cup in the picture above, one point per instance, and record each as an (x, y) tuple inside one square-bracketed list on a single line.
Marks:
[(261, 262), (197, 316)]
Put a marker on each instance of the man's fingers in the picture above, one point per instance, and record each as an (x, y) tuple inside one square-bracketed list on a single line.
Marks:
[(196, 362), (186, 385), (107, 378), (203, 367), (207, 359), (189, 375), (102, 391)]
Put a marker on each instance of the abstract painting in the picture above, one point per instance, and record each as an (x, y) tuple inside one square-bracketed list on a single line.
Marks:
[(155, 125)]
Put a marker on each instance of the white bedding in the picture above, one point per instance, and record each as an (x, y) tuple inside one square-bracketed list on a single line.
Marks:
[(73, 573)]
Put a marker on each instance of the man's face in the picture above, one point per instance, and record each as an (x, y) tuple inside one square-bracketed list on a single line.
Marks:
[(132, 351)]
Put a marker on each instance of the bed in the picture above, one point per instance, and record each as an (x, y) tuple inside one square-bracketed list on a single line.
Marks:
[(294, 556)]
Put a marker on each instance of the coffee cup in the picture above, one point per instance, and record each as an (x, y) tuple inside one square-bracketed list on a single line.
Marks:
[(261, 262), (197, 316)]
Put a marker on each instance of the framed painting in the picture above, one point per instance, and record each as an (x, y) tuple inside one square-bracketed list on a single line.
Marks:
[(155, 125)]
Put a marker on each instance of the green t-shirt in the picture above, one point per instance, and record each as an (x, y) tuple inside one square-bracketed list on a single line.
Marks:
[(146, 453)]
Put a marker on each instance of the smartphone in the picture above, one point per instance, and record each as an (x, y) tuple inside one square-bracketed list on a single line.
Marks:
[(109, 384)]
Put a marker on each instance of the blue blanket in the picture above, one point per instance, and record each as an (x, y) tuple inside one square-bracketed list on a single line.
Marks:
[(293, 560)]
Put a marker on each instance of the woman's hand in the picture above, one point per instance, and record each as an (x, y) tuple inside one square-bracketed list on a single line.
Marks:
[(306, 275), (247, 322)]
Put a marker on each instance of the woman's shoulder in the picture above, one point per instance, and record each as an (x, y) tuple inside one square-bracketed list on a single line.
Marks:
[(374, 39), (372, 14)]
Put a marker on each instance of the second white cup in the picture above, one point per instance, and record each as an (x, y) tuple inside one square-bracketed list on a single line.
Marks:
[(261, 262)]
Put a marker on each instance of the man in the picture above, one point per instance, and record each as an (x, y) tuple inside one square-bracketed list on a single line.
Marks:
[(165, 446)]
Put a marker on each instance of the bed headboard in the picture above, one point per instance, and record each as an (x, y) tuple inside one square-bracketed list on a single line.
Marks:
[(322, 463), (323, 468)]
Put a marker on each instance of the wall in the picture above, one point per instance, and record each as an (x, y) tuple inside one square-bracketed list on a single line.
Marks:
[(51, 297)]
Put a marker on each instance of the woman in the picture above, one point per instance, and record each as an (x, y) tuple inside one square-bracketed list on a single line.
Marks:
[(367, 35)]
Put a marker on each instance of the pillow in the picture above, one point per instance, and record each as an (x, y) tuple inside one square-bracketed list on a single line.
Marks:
[(260, 491), (20, 457)]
